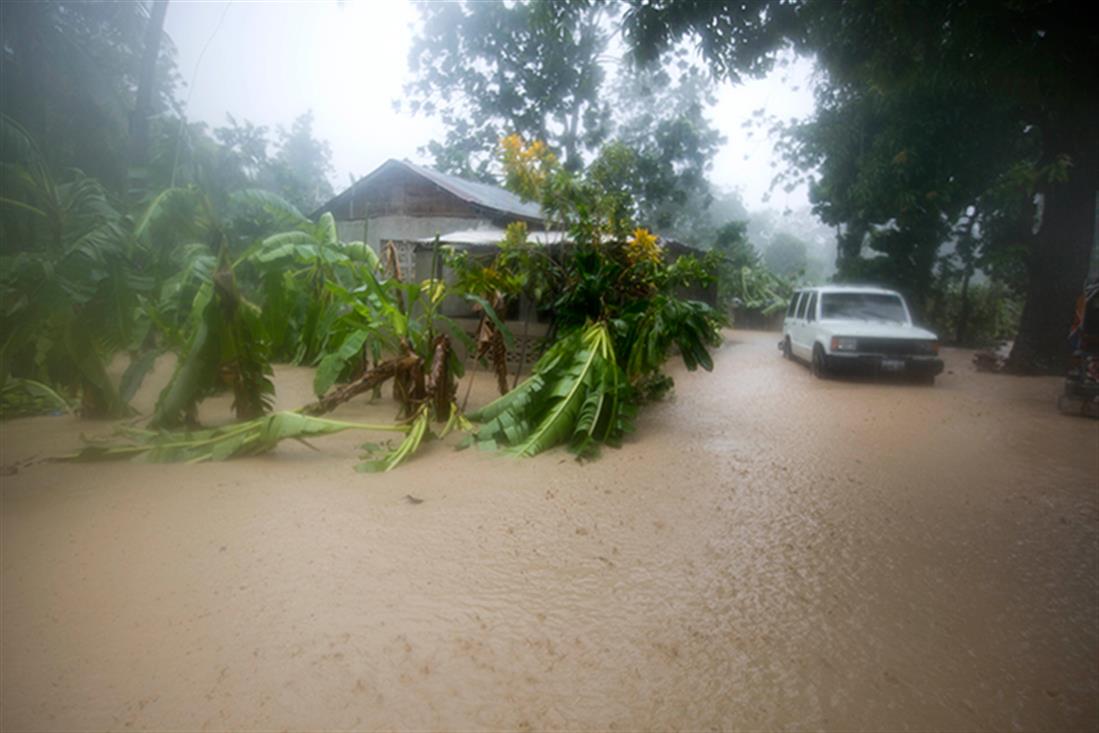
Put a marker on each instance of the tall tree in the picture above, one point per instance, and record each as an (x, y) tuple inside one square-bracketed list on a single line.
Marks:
[(786, 255), (69, 74), (300, 168), (1039, 60), (491, 69), (663, 122), (143, 106)]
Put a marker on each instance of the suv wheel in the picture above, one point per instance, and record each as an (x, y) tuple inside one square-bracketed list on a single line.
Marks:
[(787, 352), (817, 365)]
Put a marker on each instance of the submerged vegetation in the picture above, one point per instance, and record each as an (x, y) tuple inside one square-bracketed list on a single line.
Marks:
[(129, 231), (231, 286)]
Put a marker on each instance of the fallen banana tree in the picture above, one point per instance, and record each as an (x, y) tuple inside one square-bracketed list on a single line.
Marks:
[(614, 308), (260, 435), (248, 438), (373, 378), (577, 394)]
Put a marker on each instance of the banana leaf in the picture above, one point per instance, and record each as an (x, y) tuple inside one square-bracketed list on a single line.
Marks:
[(22, 397), (218, 444), (418, 430), (576, 394)]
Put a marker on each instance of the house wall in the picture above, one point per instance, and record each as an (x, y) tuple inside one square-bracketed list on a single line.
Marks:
[(395, 228)]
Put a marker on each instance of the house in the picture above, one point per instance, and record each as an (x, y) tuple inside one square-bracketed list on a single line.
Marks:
[(403, 203), (411, 205)]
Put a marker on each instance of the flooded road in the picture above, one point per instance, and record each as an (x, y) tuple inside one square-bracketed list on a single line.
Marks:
[(768, 551)]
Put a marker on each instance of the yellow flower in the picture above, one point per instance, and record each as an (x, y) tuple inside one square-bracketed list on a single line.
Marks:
[(527, 166), (643, 247)]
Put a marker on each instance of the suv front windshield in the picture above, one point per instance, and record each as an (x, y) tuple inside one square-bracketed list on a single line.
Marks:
[(862, 307)]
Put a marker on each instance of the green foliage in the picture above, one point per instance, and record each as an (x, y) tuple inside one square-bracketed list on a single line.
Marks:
[(983, 314), (248, 438), (576, 394), (391, 457), (883, 152), (743, 281), (540, 70), (647, 336), (23, 397), (619, 321), (731, 243), (68, 294), (69, 74), (227, 349), (757, 289), (491, 68), (300, 168), (666, 147), (786, 255)]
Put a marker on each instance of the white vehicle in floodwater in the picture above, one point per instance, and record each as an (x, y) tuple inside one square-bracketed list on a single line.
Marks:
[(847, 328)]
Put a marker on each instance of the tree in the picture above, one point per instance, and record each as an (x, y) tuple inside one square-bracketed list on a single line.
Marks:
[(539, 70), (239, 156), (1039, 61), (787, 255), (66, 288), (69, 74), (492, 69), (143, 106), (663, 123), (244, 149), (299, 171)]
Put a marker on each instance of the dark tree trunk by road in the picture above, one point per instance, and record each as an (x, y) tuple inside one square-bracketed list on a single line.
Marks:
[(1059, 260), (961, 332), (143, 106)]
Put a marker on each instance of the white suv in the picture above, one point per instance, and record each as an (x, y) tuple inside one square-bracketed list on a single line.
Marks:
[(839, 327)]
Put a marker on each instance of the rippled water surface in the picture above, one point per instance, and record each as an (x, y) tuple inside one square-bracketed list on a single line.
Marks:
[(768, 551)]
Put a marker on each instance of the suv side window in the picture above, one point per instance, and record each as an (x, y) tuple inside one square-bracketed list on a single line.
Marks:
[(811, 313), (792, 308), (801, 304)]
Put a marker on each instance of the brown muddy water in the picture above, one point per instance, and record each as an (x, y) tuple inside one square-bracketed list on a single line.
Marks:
[(769, 551)]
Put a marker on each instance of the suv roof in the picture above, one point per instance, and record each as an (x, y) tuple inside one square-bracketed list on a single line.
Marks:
[(848, 289)]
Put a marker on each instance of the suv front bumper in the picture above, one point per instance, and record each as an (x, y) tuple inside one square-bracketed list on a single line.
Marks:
[(884, 363)]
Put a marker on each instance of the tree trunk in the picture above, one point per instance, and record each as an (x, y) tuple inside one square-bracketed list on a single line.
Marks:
[(374, 377), (1059, 261), (967, 252), (143, 106), (963, 311)]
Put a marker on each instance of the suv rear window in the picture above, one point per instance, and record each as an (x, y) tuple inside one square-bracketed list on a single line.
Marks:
[(863, 307)]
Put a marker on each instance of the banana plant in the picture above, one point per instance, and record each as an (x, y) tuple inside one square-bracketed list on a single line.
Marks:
[(68, 291), (758, 289), (226, 349), (576, 394), (248, 438), (294, 269), (384, 315)]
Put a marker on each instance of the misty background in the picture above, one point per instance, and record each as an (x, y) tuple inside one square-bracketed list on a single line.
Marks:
[(347, 63)]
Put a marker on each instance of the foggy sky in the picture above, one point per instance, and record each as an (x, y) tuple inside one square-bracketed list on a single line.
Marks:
[(268, 62)]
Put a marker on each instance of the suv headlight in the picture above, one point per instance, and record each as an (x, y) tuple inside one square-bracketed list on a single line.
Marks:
[(844, 343)]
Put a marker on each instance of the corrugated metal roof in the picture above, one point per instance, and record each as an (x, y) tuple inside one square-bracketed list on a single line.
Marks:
[(480, 194)]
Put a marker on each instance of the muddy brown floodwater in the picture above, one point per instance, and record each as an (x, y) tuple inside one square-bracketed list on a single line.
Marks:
[(769, 551)]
